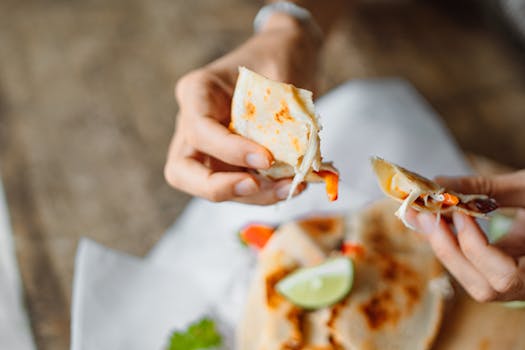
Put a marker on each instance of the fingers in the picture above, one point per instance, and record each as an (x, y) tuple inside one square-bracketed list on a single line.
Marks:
[(192, 176), (507, 189), (500, 270), (271, 192), (447, 250), (195, 178), (483, 270), (210, 137), (204, 101)]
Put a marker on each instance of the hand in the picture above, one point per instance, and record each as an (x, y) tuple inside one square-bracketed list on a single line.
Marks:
[(488, 272), (207, 160)]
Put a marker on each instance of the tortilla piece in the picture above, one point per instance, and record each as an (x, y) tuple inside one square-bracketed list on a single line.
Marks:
[(281, 118), (400, 289), (391, 306), (270, 321), (423, 194)]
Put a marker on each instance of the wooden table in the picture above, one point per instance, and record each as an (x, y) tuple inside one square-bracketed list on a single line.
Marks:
[(86, 112)]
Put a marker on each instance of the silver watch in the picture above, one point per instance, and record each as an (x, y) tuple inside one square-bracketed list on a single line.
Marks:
[(289, 8)]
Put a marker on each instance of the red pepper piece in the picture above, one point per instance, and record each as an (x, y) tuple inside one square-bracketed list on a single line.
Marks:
[(256, 235), (331, 182), (352, 249)]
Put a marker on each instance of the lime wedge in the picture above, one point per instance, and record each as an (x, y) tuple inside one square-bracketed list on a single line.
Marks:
[(319, 286)]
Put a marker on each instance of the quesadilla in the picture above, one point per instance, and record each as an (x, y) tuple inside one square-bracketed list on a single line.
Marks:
[(282, 118), (422, 194), (396, 302)]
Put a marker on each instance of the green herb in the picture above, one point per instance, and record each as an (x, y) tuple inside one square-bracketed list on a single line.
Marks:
[(199, 336)]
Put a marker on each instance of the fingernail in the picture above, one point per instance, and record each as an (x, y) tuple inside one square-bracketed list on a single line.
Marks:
[(459, 221), (245, 187), (257, 161), (427, 222), (282, 191)]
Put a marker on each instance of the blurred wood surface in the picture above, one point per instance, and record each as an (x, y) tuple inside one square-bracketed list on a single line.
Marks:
[(86, 111)]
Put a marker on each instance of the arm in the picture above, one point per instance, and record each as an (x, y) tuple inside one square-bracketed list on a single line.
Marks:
[(207, 160)]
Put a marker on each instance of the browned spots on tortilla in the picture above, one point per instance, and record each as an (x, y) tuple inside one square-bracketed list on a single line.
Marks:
[(412, 294), (377, 240), (296, 340), (250, 93), (250, 110), (394, 270), (380, 310), (334, 313), (283, 114), (318, 226), (273, 298), (334, 344), (267, 94), (277, 131), (296, 145)]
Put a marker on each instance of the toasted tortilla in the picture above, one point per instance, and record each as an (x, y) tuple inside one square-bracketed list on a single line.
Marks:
[(400, 289), (393, 304), (422, 194), (281, 118)]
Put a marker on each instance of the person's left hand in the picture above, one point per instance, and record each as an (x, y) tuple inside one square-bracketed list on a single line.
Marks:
[(488, 272)]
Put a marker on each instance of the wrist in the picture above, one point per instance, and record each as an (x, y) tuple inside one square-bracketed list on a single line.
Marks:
[(305, 32), (283, 49)]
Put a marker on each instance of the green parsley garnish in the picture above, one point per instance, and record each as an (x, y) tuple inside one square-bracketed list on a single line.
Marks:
[(199, 336)]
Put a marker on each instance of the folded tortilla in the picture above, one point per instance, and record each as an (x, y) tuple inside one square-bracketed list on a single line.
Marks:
[(396, 301), (281, 118), (422, 194)]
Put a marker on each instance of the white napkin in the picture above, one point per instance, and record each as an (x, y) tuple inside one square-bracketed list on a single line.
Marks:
[(122, 302), (15, 333), (201, 264)]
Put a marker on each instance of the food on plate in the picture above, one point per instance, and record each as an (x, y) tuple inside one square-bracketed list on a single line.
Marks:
[(390, 288), (282, 118), (256, 235), (319, 286), (422, 194), (199, 336)]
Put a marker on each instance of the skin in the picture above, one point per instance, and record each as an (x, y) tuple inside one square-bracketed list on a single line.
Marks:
[(488, 272), (205, 159)]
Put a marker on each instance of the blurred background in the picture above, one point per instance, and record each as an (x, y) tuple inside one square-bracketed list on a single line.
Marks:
[(86, 109)]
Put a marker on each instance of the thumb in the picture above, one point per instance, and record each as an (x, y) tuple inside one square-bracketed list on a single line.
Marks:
[(507, 189)]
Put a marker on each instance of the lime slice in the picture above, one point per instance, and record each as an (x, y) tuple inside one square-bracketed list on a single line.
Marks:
[(319, 286), (499, 226)]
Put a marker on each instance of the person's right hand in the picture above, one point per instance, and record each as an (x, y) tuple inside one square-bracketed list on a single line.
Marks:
[(205, 159)]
